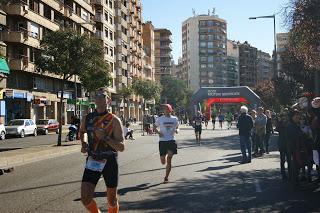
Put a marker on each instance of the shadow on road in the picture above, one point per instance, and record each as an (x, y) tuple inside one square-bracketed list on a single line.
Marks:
[(236, 191)]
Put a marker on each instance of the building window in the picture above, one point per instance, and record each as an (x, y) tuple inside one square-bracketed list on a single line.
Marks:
[(111, 51), (106, 32), (203, 44), (111, 35), (110, 19), (34, 30), (203, 65), (210, 44), (202, 37), (210, 37), (210, 23), (106, 15), (85, 15), (202, 23), (210, 59), (111, 4), (203, 59)]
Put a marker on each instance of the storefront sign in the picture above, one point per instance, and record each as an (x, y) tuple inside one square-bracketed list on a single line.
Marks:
[(29, 97), (65, 95), (20, 95)]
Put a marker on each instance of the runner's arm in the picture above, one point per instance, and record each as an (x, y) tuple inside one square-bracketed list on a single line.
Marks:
[(116, 141), (82, 131)]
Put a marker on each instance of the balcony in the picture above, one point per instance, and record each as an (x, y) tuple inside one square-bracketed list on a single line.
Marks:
[(21, 63), (56, 4), (85, 4), (22, 9), (22, 36), (99, 2), (98, 17), (99, 34)]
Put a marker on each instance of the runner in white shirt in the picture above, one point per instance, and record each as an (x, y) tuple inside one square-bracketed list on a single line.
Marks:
[(167, 126)]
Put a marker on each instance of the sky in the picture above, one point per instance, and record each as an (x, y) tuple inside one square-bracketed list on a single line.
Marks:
[(259, 33)]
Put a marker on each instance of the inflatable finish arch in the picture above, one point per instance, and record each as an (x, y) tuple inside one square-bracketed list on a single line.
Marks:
[(224, 95)]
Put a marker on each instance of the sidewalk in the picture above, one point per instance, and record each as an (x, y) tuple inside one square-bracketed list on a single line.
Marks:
[(23, 156)]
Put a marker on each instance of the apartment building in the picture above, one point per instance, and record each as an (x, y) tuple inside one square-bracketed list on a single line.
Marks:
[(204, 51), (264, 67), (4, 68), (163, 54), (282, 43), (248, 64), (129, 53), (232, 63), (148, 46), (105, 31), (29, 94)]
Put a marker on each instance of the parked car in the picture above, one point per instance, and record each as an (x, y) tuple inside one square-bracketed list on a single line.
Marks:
[(21, 127), (45, 126), (2, 132)]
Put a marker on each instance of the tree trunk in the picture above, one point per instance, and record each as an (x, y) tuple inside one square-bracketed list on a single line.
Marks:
[(61, 109)]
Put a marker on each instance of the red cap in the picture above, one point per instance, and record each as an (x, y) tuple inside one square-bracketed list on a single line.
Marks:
[(168, 106)]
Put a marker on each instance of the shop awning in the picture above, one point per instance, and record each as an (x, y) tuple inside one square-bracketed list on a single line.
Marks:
[(4, 68)]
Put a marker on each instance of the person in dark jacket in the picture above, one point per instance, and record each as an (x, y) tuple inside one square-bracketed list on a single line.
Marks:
[(268, 130), (281, 124), (293, 136), (245, 125)]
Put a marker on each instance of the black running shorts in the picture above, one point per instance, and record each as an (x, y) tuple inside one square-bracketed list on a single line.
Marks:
[(198, 129), (110, 174), (165, 146)]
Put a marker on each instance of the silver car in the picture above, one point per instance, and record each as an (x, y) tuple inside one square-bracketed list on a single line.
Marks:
[(21, 127)]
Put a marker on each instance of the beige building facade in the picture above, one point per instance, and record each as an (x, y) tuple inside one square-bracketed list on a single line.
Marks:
[(163, 54), (29, 94)]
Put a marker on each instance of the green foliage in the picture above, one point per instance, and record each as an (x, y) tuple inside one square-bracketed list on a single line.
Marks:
[(303, 19), (67, 53), (175, 91), (125, 92), (266, 92), (149, 90), (295, 69), (286, 90)]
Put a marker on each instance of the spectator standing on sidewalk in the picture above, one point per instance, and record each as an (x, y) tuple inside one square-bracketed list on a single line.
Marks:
[(282, 122), (245, 125), (293, 137), (253, 115), (260, 131), (269, 130)]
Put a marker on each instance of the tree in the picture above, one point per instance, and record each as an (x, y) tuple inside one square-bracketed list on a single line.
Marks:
[(286, 90), (67, 53), (266, 91), (303, 18), (294, 68), (174, 90), (149, 90), (125, 93)]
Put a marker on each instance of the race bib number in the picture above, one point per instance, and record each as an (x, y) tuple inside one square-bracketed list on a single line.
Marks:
[(95, 165)]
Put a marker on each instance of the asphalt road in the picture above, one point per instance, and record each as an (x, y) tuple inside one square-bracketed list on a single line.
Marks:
[(205, 178)]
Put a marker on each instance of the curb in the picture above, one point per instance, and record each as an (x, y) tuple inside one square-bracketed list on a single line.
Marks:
[(29, 155)]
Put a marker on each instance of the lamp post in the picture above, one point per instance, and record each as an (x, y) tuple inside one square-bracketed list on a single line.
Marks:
[(274, 39)]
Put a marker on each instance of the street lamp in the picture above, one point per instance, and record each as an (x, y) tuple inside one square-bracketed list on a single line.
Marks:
[(274, 39)]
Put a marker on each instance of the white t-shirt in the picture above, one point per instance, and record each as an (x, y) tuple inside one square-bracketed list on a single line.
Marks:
[(168, 126)]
